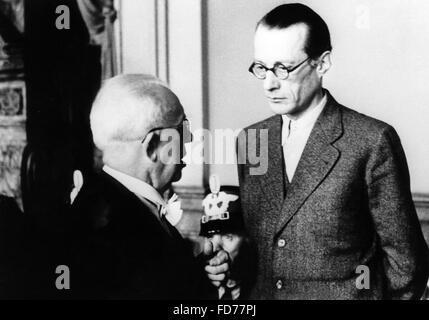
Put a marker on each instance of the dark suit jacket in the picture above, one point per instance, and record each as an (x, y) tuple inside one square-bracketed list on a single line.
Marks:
[(119, 249), (349, 204)]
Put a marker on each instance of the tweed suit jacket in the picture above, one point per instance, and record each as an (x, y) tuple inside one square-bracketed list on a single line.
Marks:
[(348, 205)]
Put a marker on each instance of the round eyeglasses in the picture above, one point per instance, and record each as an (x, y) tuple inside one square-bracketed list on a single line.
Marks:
[(279, 69)]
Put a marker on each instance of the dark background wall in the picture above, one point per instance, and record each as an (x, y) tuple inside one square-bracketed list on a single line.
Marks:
[(62, 73)]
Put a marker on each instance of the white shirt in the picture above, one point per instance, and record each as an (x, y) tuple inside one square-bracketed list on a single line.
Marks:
[(295, 134), (141, 189)]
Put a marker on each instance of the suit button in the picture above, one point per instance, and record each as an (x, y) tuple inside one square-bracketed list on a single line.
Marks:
[(279, 284), (281, 243)]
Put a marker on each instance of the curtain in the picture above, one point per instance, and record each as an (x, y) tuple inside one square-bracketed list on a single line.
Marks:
[(99, 17)]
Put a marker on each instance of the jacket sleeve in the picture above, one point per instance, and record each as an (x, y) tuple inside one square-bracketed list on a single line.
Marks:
[(405, 253)]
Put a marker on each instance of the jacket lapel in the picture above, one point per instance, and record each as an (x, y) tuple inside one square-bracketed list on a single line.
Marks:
[(272, 184), (135, 211), (317, 160)]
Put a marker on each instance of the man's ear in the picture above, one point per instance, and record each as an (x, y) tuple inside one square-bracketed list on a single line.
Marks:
[(324, 63), (150, 145)]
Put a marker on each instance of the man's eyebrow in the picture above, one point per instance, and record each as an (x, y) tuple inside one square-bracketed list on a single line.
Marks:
[(182, 118), (285, 62), (258, 61)]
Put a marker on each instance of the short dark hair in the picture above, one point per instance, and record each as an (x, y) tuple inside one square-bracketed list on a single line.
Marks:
[(286, 15)]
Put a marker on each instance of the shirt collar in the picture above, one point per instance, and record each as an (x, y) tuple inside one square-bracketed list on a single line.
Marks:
[(139, 187), (309, 116), (307, 119)]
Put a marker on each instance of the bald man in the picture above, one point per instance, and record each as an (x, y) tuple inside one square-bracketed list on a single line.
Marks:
[(121, 244)]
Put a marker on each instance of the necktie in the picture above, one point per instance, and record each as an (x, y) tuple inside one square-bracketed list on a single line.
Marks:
[(286, 152), (285, 178), (285, 155)]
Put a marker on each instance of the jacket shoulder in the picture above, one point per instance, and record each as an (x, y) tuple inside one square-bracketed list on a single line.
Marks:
[(362, 123), (94, 204), (364, 133)]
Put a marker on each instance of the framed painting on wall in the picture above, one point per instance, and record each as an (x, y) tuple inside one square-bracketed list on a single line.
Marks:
[(12, 103)]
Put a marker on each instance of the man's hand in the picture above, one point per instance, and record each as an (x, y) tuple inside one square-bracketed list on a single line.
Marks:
[(235, 289), (217, 267)]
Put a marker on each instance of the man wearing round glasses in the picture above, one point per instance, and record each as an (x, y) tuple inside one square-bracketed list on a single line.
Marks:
[(333, 217)]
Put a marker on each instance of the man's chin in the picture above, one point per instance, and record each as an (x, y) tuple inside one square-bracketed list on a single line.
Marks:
[(282, 108)]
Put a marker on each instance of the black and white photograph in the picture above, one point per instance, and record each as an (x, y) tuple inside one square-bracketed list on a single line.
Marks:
[(214, 152)]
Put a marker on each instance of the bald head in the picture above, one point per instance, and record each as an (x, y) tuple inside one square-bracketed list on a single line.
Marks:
[(128, 106)]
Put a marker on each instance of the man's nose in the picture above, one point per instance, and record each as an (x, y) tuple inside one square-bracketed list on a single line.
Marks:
[(271, 82)]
